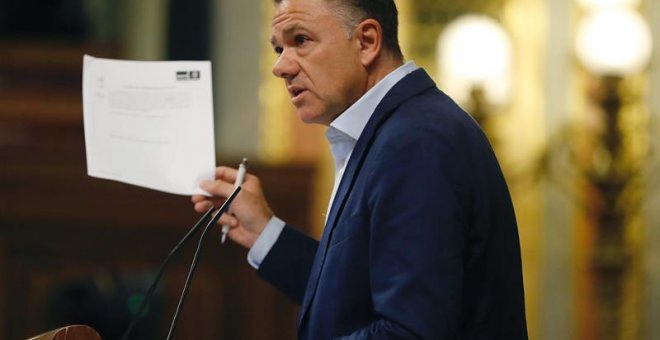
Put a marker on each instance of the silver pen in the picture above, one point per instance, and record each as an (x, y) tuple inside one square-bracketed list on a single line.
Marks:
[(240, 176)]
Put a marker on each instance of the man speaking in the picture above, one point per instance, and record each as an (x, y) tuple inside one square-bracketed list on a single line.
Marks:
[(420, 240)]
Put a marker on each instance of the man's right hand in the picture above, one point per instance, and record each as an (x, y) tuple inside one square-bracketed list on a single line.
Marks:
[(248, 214)]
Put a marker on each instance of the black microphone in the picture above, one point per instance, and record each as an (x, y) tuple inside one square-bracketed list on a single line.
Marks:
[(193, 265), (173, 252)]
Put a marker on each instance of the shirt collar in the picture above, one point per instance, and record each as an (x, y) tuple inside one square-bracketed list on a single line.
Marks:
[(352, 121)]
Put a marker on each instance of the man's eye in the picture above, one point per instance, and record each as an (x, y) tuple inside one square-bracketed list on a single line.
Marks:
[(300, 40), (278, 50)]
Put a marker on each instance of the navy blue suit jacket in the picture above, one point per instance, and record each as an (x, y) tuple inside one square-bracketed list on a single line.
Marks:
[(421, 240)]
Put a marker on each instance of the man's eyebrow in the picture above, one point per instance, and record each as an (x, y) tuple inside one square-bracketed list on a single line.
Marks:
[(287, 30), (290, 28)]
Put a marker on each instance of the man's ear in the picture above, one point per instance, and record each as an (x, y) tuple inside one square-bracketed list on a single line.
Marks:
[(369, 34)]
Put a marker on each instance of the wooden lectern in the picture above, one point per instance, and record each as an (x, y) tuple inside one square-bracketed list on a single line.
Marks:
[(77, 332)]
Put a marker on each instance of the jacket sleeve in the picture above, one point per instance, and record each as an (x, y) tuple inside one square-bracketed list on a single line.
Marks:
[(288, 263)]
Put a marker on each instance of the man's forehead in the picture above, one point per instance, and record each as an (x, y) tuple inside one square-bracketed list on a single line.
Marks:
[(291, 15), (300, 9), (287, 23), (287, 9)]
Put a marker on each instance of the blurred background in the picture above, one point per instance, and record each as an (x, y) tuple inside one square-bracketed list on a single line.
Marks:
[(568, 92)]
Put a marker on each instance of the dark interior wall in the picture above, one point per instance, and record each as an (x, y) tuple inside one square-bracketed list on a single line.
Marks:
[(61, 19), (189, 29), (66, 238)]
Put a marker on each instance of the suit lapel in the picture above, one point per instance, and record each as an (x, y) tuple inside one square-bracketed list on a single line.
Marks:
[(412, 84)]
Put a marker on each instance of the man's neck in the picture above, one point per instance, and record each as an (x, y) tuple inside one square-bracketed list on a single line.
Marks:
[(382, 66)]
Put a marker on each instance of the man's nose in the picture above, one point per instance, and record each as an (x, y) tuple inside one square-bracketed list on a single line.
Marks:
[(285, 66)]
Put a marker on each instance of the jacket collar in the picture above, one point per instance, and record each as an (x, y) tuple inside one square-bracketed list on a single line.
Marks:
[(352, 121)]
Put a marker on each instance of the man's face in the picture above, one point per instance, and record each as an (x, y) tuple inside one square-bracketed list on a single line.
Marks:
[(318, 61)]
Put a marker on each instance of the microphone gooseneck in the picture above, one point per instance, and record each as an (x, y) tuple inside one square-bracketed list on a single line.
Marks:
[(193, 265), (163, 265), (173, 252)]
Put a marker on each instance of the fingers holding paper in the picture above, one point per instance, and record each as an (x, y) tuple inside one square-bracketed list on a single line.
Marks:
[(249, 213)]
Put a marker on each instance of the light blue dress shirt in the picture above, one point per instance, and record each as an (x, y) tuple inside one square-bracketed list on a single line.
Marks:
[(342, 135)]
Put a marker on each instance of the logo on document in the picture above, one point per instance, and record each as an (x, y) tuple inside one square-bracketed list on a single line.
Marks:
[(188, 75)]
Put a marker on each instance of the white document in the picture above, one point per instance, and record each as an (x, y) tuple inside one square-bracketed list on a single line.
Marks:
[(149, 123)]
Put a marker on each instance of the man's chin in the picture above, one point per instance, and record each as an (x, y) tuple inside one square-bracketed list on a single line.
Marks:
[(311, 117)]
